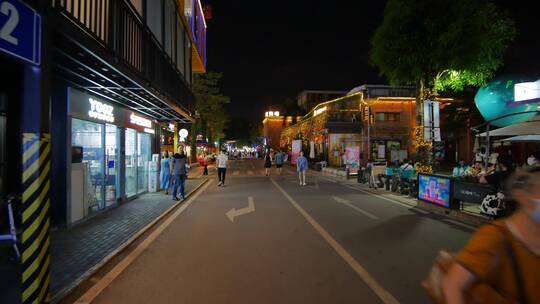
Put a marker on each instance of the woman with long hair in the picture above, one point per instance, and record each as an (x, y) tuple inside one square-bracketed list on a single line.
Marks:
[(165, 172)]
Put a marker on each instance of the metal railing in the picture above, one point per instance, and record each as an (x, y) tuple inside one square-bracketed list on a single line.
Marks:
[(116, 25)]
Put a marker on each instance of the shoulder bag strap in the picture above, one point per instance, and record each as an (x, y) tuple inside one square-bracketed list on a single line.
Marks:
[(518, 277)]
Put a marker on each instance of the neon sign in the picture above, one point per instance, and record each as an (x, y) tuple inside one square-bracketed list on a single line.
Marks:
[(101, 111), (140, 121)]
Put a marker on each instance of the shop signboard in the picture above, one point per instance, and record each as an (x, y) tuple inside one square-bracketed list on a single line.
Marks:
[(100, 110), (432, 130), (352, 158), (435, 189), (470, 192), (20, 31), (296, 148), (140, 121), (183, 133), (89, 107)]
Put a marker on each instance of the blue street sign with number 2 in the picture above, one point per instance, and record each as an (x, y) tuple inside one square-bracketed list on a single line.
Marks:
[(20, 31)]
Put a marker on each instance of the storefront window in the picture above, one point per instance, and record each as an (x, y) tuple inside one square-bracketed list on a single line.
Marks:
[(144, 156), (89, 136), (131, 162), (111, 161)]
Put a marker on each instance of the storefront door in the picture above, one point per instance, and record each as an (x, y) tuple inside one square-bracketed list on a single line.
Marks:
[(144, 146), (131, 162), (90, 136), (111, 164)]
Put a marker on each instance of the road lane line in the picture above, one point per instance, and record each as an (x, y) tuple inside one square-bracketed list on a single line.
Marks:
[(380, 196), (106, 280), (347, 203), (382, 293)]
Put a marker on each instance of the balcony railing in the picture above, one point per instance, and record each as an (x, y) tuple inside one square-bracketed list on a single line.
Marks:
[(117, 27)]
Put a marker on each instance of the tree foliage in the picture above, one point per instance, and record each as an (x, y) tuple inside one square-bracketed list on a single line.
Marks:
[(443, 44), (210, 105)]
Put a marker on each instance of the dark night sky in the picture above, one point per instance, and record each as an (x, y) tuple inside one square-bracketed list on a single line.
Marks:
[(271, 50)]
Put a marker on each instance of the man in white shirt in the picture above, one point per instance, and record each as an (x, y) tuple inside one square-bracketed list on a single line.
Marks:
[(221, 164)]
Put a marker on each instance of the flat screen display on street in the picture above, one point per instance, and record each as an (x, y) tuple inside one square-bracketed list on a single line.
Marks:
[(434, 189)]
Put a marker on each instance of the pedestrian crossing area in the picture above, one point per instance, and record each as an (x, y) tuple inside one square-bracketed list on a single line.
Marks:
[(254, 168)]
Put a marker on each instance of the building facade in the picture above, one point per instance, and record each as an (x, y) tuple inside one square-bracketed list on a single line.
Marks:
[(273, 124), (370, 122), (81, 119), (309, 98)]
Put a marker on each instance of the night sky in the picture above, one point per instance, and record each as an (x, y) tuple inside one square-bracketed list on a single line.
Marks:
[(271, 50)]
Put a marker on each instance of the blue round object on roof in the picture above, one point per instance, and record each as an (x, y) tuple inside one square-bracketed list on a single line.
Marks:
[(497, 99)]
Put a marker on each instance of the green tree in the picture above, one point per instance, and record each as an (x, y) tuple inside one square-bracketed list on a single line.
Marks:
[(210, 105), (440, 45)]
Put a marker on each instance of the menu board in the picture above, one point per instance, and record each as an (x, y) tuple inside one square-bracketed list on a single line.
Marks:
[(434, 189)]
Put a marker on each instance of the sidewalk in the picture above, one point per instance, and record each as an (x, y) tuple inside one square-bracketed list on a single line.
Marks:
[(80, 250)]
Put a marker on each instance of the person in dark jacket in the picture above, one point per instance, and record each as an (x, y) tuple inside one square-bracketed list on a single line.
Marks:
[(179, 172)]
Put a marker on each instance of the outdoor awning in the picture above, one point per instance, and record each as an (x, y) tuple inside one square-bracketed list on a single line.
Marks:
[(523, 138), (523, 128)]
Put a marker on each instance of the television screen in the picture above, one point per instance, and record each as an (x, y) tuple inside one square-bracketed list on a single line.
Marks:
[(434, 189)]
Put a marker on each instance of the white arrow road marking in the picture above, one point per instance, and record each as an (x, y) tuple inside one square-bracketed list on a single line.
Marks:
[(347, 203), (231, 214), (383, 294)]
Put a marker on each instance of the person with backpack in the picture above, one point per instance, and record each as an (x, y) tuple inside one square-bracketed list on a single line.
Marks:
[(502, 259), (301, 167), (179, 172)]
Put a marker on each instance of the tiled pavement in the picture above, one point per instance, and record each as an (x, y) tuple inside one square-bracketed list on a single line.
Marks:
[(76, 250)]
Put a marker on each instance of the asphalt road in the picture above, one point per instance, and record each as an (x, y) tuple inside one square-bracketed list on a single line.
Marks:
[(326, 242)]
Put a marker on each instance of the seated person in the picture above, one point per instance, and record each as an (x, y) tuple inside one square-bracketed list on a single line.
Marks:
[(477, 169), (497, 178), (408, 169), (462, 169)]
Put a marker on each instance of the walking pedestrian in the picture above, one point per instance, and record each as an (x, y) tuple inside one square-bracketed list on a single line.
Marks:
[(267, 162), (301, 167), (205, 163), (165, 172), (280, 158), (179, 171), (221, 162), (504, 254)]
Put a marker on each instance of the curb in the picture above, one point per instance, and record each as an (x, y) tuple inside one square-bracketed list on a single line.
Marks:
[(66, 290)]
